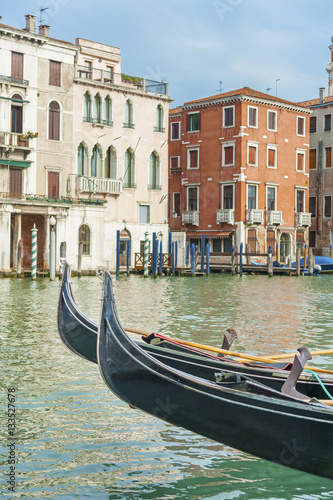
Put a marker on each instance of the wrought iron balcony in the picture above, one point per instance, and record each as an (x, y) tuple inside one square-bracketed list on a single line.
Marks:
[(190, 218), (254, 216), (98, 185), (226, 215), (273, 218), (302, 219)]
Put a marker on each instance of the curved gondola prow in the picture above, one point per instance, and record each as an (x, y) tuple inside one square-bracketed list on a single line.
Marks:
[(77, 332)]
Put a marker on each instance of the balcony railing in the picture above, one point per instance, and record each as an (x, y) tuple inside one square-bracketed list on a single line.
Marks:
[(110, 78), (98, 185), (226, 215), (302, 219), (273, 217), (15, 81), (12, 139), (254, 216), (190, 218)]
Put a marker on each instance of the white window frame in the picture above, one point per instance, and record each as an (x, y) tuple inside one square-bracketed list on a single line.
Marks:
[(268, 113), (227, 145), (178, 166), (180, 131), (223, 185), (271, 186), (194, 130), (301, 152), (304, 123), (256, 184), (248, 117), (233, 116), (189, 186), (189, 149), (252, 144), (299, 188), (324, 129), (275, 148)]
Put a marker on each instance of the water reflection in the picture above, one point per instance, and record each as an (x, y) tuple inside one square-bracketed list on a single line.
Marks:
[(76, 440)]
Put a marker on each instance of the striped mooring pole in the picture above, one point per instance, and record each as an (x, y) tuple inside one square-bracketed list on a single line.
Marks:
[(34, 252), (146, 254)]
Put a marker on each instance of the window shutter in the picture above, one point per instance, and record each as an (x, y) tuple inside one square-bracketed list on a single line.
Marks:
[(228, 155), (271, 157), (188, 123), (15, 182), (199, 121), (328, 157), (53, 185), (54, 77), (252, 155), (17, 66), (194, 159)]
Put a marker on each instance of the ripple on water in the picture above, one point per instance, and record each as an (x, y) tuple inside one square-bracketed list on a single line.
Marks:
[(76, 440)]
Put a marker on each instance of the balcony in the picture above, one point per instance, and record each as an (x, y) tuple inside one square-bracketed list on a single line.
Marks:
[(108, 79), (302, 219), (273, 218), (254, 216), (190, 218), (14, 81), (226, 215), (14, 140), (98, 185)]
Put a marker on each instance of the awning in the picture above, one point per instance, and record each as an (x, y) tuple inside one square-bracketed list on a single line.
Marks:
[(219, 234), (13, 163), (13, 100)]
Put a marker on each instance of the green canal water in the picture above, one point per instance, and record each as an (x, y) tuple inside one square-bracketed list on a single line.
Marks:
[(74, 439)]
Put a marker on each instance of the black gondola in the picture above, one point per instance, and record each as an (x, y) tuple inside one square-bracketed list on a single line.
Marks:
[(230, 409), (79, 334)]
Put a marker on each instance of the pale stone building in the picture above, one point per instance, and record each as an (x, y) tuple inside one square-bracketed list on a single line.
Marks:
[(82, 142), (36, 137)]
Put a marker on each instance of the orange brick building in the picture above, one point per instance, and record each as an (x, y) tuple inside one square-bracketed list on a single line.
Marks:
[(239, 172)]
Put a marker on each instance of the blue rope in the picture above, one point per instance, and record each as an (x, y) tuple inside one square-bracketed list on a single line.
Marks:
[(320, 382)]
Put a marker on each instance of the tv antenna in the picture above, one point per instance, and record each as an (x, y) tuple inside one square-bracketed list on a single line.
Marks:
[(41, 20), (220, 89), (268, 89)]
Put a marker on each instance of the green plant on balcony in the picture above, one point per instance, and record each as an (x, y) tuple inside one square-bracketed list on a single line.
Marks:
[(28, 135), (135, 80)]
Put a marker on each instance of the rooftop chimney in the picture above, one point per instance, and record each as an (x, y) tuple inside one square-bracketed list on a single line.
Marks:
[(44, 30), (321, 95), (30, 22)]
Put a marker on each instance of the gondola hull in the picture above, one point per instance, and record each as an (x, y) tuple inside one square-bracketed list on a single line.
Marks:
[(241, 414), (79, 334)]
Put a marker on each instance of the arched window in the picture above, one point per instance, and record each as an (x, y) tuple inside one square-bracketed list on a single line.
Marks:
[(128, 122), (111, 163), (129, 169), (108, 111), (159, 126), (54, 121), (97, 109), (82, 160), (154, 171), (86, 107), (84, 238), (17, 114), (96, 162)]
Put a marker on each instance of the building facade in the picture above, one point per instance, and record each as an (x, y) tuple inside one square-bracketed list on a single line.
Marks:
[(36, 127), (238, 172), (81, 142), (321, 167)]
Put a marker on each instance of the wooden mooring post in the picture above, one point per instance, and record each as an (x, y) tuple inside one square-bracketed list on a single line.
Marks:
[(19, 259), (233, 267), (270, 261), (311, 262), (298, 258), (79, 260)]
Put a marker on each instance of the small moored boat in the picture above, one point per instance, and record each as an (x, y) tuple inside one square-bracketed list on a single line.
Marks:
[(228, 408), (79, 334)]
